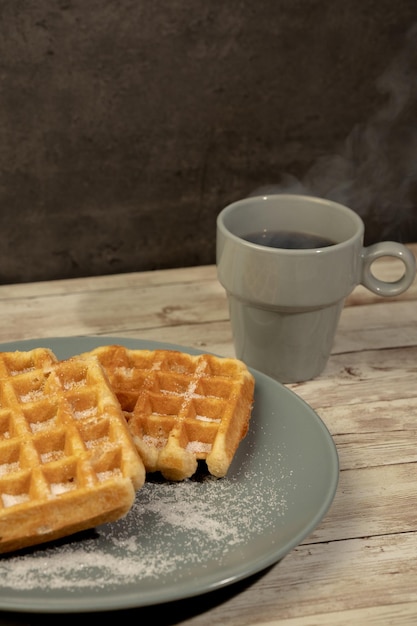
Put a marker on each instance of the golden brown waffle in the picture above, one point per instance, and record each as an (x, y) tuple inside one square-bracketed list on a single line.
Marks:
[(67, 459), (181, 408)]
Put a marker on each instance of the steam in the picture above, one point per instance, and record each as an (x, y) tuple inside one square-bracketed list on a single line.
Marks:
[(376, 171)]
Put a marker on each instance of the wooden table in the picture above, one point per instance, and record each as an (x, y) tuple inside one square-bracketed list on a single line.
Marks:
[(360, 564)]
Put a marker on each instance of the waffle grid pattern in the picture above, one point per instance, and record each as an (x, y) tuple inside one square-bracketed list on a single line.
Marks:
[(181, 408), (67, 459)]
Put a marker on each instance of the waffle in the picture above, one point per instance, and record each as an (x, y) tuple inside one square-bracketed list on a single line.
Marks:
[(181, 408), (67, 459)]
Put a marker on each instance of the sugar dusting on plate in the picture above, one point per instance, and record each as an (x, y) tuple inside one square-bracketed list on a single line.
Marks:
[(171, 528)]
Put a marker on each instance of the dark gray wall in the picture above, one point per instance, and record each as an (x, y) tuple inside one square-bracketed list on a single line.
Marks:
[(127, 125)]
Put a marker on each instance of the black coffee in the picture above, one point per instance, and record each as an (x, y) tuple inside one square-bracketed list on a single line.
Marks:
[(291, 240)]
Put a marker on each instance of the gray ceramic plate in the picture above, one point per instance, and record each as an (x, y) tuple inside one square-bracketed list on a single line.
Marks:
[(185, 539)]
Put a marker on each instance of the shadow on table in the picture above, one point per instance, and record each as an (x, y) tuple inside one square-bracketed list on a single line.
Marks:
[(166, 614)]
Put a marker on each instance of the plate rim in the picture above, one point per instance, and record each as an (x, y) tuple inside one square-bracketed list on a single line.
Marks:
[(126, 600)]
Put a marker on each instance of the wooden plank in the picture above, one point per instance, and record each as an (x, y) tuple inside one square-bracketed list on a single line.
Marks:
[(392, 324), (370, 376), (372, 501), (403, 614), (367, 397), (362, 296), (377, 448), (323, 579), (157, 278), (107, 311), (385, 417), (209, 337)]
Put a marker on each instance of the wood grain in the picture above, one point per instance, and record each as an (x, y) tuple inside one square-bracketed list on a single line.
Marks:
[(359, 564)]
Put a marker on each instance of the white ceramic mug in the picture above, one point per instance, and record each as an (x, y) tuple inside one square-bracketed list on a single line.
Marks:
[(284, 303)]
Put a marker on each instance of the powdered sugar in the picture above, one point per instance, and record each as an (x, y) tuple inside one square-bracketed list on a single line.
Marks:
[(78, 415), (198, 447), (204, 418), (54, 455), (36, 427), (18, 372), (73, 384), (12, 500), (156, 442), (125, 372), (58, 488), (171, 529), (32, 396), (6, 468)]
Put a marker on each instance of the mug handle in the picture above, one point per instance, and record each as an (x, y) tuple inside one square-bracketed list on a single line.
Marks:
[(388, 248)]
